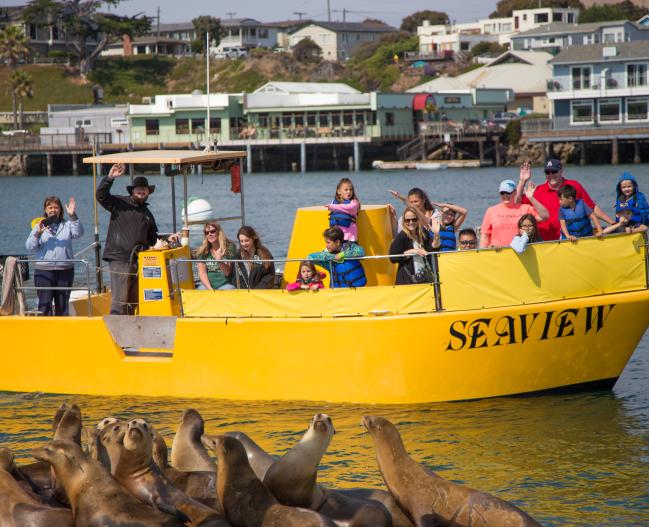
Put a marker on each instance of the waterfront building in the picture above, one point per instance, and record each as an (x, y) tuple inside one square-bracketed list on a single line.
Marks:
[(246, 33), (437, 39), (555, 37), (162, 39), (525, 73), (84, 122), (338, 40)]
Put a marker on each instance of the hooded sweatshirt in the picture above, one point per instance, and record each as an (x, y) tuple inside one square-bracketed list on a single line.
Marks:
[(637, 200)]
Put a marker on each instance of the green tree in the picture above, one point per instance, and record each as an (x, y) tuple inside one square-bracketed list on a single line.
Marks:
[(483, 48), (13, 48), (621, 11), (307, 51), (411, 22), (504, 8), (87, 29), (203, 25), (21, 86)]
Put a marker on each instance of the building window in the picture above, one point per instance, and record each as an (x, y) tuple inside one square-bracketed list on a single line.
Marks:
[(299, 119), (581, 78), (215, 125), (234, 32), (263, 32), (152, 126), (609, 110), (372, 120), (389, 118), (557, 17), (287, 120), (348, 118), (253, 31), (637, 109), (571, 18), (335, 119), (636, 75), (581, 112), (324, 119), (609, 38), (541, 18), (182, 126), (198, 125), (310, 118)]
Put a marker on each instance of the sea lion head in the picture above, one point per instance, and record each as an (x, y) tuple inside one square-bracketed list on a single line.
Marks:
[(377, 426), (69, 425), (112, 439), (192, 422), (6, 460), (60, 454), (385, 435), (138, 434), (106, 421), (63, 407), (225, 448), (322, 423)]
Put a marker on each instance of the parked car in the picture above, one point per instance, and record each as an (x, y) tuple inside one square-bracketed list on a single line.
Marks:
[(231, 52), (502, 118)]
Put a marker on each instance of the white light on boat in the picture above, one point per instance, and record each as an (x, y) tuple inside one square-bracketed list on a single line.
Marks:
[(198, 209)]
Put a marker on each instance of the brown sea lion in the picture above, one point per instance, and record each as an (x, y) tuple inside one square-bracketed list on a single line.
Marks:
[(259, 459), (20, 507), (200, 486), (381, 498), (245, 499), (144, 479), (431, 500), (97, 500), (160, 451), (68, 428), (187, 452), (110, 444), (293, 481)]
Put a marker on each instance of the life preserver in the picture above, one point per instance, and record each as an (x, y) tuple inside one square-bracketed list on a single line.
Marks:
[(349, 273), (447, 236), (580, 224), (341, 219)]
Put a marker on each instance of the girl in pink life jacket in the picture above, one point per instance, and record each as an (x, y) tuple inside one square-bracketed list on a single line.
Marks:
[(308, 278), (344, 209)]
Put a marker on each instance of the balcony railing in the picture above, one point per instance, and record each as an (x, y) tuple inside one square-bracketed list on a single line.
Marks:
[(614, 81)]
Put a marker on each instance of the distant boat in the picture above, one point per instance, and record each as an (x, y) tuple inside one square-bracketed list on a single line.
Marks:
[(427, 165)]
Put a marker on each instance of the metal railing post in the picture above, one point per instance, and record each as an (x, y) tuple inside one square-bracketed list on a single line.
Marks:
[(436, 283), (85, 262), (178, 288)]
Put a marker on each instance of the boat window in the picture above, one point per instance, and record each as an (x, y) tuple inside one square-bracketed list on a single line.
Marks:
[(152, 126), (182, 126)]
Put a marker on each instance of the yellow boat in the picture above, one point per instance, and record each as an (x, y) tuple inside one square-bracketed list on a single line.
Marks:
[(494, 323)]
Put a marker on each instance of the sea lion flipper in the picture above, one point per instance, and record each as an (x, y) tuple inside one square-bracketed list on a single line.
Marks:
[(168, 508)]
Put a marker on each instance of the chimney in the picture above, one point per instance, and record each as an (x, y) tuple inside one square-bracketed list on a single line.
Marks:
[(127, 45)]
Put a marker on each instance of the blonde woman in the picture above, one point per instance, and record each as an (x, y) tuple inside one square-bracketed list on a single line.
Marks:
[(414, 243), (215, 274)]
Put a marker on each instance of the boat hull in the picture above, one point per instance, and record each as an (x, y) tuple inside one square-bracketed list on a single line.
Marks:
[(392, 359)]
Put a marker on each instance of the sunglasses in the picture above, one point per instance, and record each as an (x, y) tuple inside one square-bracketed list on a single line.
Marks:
[(551, 172), (410, 220), (503, 193), (211, 231), (469, 243)]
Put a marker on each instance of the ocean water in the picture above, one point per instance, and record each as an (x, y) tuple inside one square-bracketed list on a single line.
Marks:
[(580, 459)]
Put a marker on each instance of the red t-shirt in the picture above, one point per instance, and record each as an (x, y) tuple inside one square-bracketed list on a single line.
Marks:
[(550, 229)]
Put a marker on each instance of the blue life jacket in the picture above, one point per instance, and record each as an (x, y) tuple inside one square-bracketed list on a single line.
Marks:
[(638, 216), (348, 273), (341, 219), (577, 221), (447, 236), (638, 200)]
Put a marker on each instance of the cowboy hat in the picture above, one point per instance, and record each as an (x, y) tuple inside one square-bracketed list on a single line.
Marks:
[(140, 181)]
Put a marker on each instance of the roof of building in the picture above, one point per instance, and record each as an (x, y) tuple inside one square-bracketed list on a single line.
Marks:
[(239, 22), (593, 52), (179, 26), (350, 27), (11, 13), (287, 24), (305, 87), (157, 40), (522, 77), (535, 58), (562, 28)]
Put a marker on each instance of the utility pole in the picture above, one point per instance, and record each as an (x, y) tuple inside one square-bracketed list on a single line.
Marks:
[(157, 31), (344, 12), (230, 14), (299, 14), (328, 10)]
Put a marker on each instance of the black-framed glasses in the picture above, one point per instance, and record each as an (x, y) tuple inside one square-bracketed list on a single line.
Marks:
[(410, 220)]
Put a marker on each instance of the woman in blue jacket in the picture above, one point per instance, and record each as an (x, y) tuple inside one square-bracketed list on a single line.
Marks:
[(51, 239)]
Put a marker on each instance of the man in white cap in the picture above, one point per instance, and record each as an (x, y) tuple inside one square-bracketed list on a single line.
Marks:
[(500, 222), (546, 193)]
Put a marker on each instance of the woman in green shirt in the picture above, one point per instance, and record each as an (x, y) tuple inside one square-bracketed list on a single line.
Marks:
[(215, 274)]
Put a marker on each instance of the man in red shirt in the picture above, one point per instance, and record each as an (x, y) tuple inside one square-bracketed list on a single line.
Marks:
[(546, 194)]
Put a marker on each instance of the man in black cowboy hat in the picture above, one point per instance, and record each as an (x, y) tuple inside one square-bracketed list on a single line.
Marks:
[(132, 227)]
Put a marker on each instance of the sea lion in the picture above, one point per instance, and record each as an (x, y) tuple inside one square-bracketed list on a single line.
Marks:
[(259, 459), (200, 486), (160, 451), (187, 452), (110, 444), (19, 507), (68, 428), (293, 481), (429, 499), (144, 479), (97, 500), (381, 498), (245, 499)]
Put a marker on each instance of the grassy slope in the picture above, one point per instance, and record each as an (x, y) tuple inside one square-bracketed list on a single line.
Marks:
[(130, 79)]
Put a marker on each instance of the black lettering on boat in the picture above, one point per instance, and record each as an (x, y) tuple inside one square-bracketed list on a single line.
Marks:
[(505, 328), (597, 315), (565, 322), (478, 331), (458, 334), (525, 328), (546, 326)]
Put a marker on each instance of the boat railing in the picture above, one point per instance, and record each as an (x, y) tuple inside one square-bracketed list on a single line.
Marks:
[(176, 274), (88, 287)]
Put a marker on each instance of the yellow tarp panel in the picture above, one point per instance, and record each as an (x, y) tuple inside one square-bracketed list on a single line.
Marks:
[(374, 235), (386, 300), (543, 273)]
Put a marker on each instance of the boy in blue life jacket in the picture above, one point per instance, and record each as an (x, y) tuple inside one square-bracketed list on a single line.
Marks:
[(627, 222), (575, 217), (343, 272)]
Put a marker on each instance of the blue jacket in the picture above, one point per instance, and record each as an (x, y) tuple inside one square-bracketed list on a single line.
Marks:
[(345, 273), (577, 221), (342, 219), (50, 247), (638, 200), (447, 236)]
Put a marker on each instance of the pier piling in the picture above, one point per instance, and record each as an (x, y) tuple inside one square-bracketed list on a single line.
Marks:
[(615, 155), (249, 158), (636, 152), (303, 157), (75, 165), (49, 163)]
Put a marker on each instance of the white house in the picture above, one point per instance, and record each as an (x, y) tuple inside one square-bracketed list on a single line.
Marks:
[(247, 33), (338, 39), (305, 87), (525, 72)]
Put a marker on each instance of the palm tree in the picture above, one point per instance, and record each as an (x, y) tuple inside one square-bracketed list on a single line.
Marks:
[(13, 47), (21, 86)]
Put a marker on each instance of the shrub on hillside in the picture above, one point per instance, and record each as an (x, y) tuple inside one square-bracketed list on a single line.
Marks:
[(307, 51)]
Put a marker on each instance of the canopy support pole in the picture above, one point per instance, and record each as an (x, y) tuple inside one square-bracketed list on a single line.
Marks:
[(173, 203), (98, 276), (243, 214), (186, 216)]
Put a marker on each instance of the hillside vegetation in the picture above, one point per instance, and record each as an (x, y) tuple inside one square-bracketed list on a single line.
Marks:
[(128, 79)]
